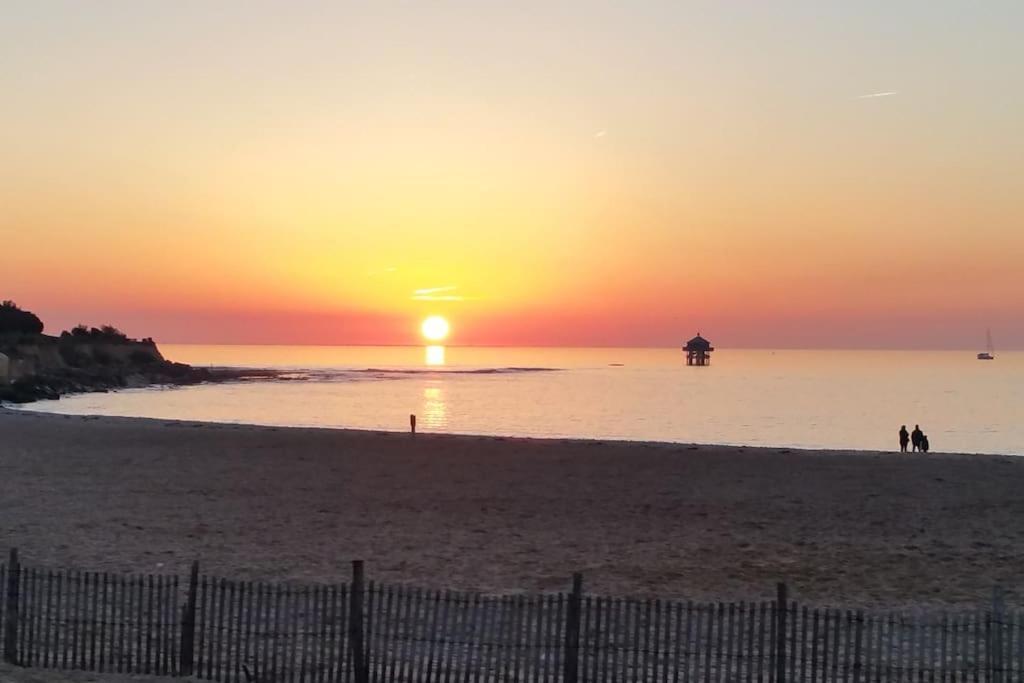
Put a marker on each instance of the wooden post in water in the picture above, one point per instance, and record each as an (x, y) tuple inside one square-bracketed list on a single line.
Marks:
[(11, 609), (186, 656), (355, 625), (572, 631), (781, 603)]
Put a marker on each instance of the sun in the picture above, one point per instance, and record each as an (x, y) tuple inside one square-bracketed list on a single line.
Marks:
[(435, 328)]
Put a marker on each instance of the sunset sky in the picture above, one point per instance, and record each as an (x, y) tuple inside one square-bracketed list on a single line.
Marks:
[(775, 174)]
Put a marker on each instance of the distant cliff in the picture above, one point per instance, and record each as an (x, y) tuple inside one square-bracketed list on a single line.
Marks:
[(41, 366), (36, 366)]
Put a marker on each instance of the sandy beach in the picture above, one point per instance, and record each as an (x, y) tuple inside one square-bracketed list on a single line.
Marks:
[(505, 515)]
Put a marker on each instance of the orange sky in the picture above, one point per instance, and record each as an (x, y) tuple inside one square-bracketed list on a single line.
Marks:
[(559, 173)]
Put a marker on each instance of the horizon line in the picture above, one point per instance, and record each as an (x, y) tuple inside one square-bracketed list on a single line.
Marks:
[(718, 347)]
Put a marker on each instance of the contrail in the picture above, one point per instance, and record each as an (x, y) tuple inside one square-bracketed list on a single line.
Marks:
[(877, 94)]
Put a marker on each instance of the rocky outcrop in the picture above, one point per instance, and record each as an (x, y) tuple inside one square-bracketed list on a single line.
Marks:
[(46, 367)]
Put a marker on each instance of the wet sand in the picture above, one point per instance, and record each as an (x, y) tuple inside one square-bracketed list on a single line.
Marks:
[(506, 515)]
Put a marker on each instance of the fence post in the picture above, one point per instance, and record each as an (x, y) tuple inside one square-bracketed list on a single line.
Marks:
[(781, 605), (355, 625), (11, 609), (572, 631), (858, 643), (996, 635), (186, 658)]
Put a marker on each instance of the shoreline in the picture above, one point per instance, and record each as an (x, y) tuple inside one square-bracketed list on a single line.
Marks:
[(507, 515), (26, 408)]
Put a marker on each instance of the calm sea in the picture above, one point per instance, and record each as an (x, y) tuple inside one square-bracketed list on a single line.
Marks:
[(807, 399)]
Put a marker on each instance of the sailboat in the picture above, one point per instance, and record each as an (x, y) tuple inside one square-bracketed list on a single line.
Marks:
[(989, 353)]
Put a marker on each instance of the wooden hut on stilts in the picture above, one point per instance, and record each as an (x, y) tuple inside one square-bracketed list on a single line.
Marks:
[(698, 351)]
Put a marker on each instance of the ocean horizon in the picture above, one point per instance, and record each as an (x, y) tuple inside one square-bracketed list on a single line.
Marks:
[(797, 398)]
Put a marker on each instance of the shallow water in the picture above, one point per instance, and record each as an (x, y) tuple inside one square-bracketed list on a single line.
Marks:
[(806, 399)]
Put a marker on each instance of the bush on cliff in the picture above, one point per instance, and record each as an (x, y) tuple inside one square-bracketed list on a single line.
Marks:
[(14, 320), (106, 333)]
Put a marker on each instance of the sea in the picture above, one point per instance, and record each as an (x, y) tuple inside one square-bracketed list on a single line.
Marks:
[(819, 399)]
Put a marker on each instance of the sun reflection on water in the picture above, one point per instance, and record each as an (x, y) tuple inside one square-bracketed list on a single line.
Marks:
[(434, 355), (435, 410)]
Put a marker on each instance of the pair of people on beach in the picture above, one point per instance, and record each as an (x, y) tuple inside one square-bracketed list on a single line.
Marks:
[(917, 438)]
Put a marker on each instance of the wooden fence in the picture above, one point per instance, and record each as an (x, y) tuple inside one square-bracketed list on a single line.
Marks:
[(361, 632)]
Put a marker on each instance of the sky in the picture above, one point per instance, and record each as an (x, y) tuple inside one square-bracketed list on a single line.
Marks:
[(784, 174)]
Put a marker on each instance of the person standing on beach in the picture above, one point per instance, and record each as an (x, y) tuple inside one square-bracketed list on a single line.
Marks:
[(915, 437), (904, 438), (924, 443)]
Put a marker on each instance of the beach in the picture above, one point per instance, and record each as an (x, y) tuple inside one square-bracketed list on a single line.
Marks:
[(504, 515)]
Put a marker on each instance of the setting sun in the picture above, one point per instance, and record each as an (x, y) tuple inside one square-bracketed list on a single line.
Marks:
[(435, 328)]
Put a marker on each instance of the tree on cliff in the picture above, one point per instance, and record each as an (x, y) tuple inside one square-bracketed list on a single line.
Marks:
[(104, 333), (14, 320)]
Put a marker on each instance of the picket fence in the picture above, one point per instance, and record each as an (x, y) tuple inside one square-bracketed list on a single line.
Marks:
[(362, 632)]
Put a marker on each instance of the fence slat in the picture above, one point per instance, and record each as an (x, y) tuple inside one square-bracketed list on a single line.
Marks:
[(273, 644), (459, 600), (333, 638), (45, 619), (38, 605), (305, 661), (332, 654), (407, 625), (170, 635), (482, 649), (551, 638), (734, 643), (295, 657), (261, 632), (614, 637), (60, 635), (464, 661), (392, 617), (51, 622), (533, 640), (318, 663), (384, 654), (158, 625), (41, 618), (162, 626), (120, 602), (203, 625), (114, 662), (508, 635), (31, 613)]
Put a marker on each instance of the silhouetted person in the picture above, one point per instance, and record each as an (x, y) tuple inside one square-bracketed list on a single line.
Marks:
[(412, 424), (924, 443), (915, 437), (904, 438)]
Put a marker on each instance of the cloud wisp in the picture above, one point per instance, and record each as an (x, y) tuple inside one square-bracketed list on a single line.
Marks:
[(434, 290), (871, 95), (437, 294)]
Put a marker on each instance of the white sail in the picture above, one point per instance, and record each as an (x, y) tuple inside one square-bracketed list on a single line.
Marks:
[(989, 353)]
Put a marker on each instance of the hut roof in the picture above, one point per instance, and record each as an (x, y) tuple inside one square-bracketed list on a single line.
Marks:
[(698, 342)]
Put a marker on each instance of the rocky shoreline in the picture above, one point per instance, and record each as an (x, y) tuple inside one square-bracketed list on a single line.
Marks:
[(36, 366), (52, 386)]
